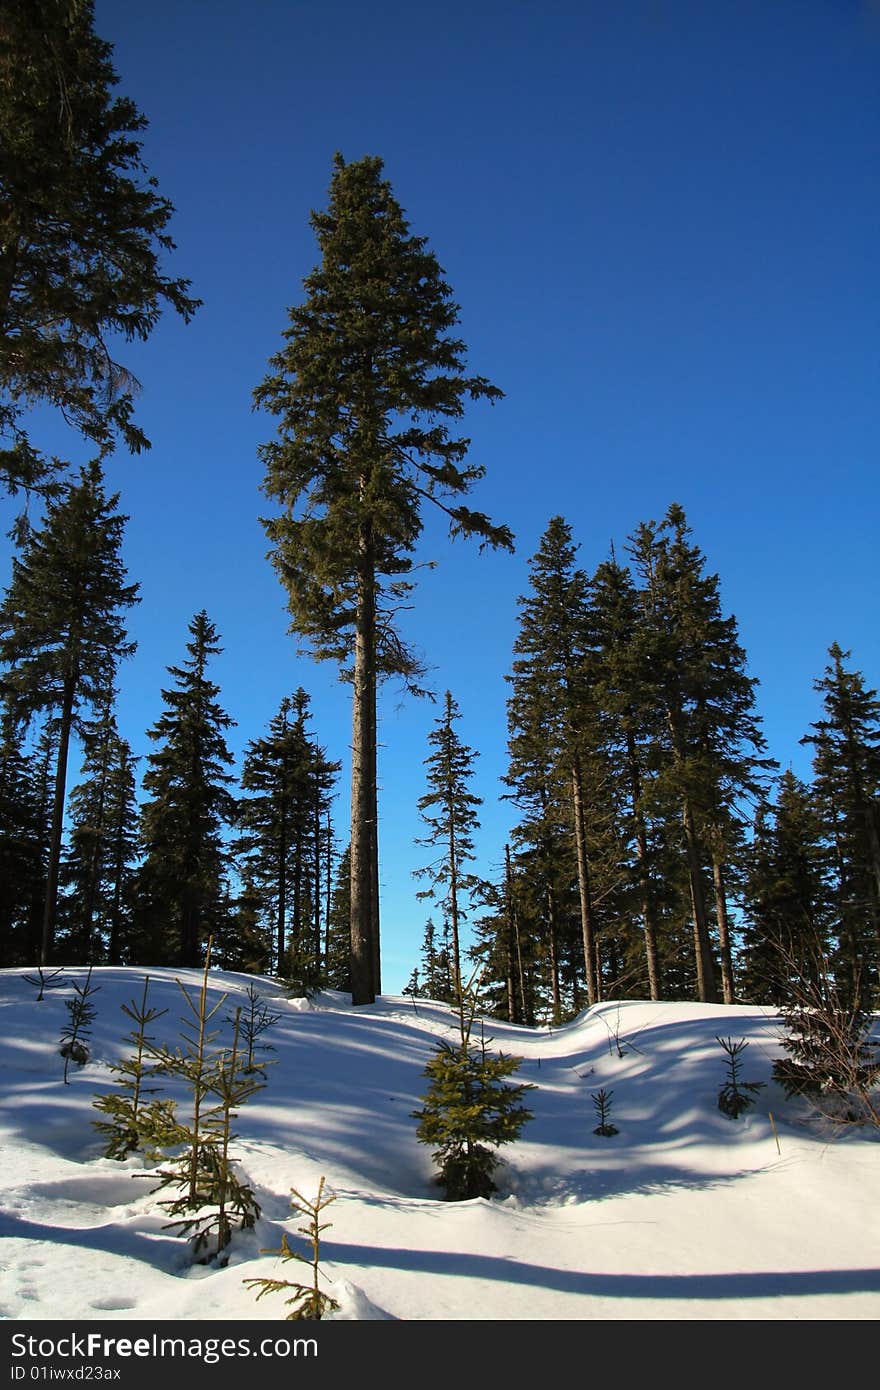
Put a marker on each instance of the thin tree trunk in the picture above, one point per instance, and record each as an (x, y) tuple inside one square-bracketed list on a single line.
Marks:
[(702, 946), (328, 890), (363, 780), (648, 914), (554, 955), (281, 910), (316, 918), (594, 985), (94, 878), (51, 901), (113, 956), (453, 914), (512, 941), (727, 984)]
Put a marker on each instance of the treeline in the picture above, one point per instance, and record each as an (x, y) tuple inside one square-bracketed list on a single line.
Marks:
[(103, 875), (657, 852)]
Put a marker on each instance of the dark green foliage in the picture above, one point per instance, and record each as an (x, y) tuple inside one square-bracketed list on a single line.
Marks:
[(307, 1302), (211, 1200), (789, 896), (448, 809), (133, 1122), (337, 928), (363, 390), (97, 872), (181, 884), (470, 1110), (77, 1030), (602, 1105), (289, 784), (707, 745), (24, 834), (82, 232), (832, 1059), (436, 976), (846, 764), (61, 633), (554, 773), (736, 1096)]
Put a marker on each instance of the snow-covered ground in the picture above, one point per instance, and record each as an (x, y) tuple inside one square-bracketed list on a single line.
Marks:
[(683, 1214)]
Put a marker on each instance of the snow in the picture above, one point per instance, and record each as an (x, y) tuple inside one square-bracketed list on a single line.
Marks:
[(685, 1214)]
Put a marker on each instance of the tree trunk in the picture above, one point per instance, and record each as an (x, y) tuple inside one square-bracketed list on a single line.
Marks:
[(512, 953), (113, 953), (93, 882), (648, 915), (363, 781), (723, 930), (51, 901), (702, 944), (453, 914), (594, 984), (554, 955), (316, 915)]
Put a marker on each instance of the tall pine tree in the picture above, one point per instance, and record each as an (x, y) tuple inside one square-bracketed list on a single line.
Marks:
[(846, 765), (364, 389), (181, 884), (708, 746), (61, 630), (449, 810), (289, 781), (82, 232)]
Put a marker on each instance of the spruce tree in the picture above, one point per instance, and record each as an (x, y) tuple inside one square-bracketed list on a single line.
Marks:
[(61, 630), (83, 233), (708, 748), (789, 897), (620, 681), (549, 716), (289, 782), (133, 1121), (22, 836), (337, 940), (97, 870), (449, 810), (470, 1110), (846, 766), (364, 389), (181, 881)]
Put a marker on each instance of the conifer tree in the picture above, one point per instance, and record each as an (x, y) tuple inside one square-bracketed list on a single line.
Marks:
[(708, 746), (307, 1302), (97, 869), (182, 879), (789, 897), (436, 975), (77, 1030), (133, 1121), (469, 1109), (449, 810), (290, 781), (548, 715), (621, 687), (337, 944), (83, 232), (364, 389), (846, 765), (22, 836), (61, 630)]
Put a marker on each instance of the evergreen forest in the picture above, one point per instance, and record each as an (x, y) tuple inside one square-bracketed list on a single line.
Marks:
[(658, 848)]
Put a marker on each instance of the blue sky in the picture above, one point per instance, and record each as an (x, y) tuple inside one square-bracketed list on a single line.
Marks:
[(660, 221)]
